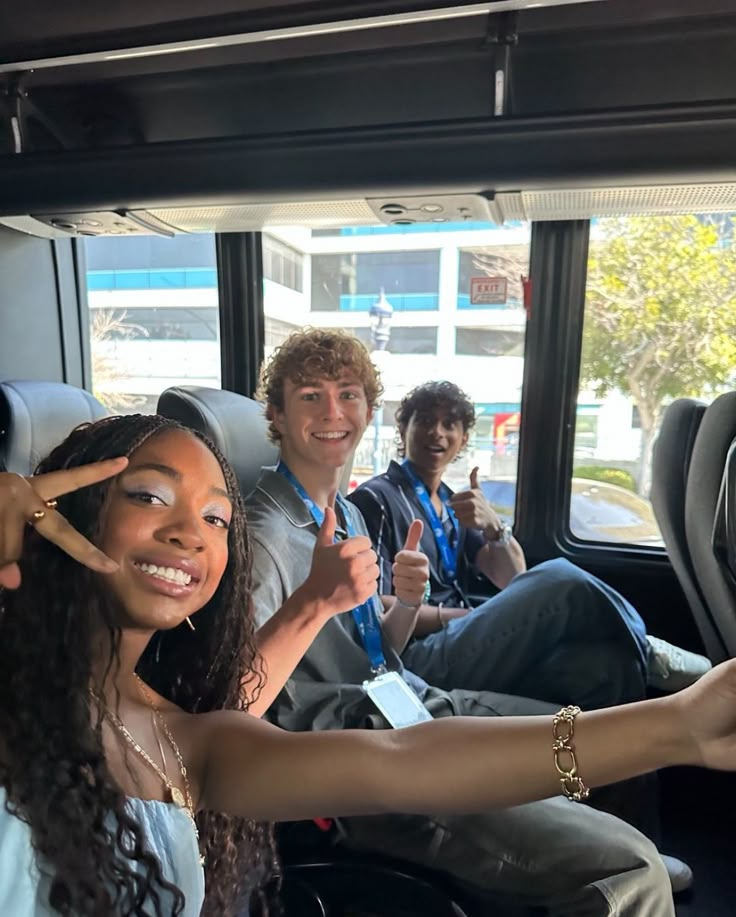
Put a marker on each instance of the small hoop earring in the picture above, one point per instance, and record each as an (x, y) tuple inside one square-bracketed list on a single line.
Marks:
[(189, 622)]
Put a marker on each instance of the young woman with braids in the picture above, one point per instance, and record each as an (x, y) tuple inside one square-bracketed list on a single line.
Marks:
[(125, 641)]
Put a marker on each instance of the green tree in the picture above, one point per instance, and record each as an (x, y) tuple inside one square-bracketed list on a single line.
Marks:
[(660, 313)]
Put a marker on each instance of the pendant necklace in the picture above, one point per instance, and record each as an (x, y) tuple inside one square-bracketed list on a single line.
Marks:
[(182, 800)]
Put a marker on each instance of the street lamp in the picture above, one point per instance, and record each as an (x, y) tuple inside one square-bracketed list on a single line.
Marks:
[(380, 315)]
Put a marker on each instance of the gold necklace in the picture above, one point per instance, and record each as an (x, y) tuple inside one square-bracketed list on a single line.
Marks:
[(182, 800)]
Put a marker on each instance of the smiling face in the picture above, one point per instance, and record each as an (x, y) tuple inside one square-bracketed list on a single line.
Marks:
[(321, 423), (433, 440), (165, 522)]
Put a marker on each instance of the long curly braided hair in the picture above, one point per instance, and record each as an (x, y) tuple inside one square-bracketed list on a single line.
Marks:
[(92, 851)]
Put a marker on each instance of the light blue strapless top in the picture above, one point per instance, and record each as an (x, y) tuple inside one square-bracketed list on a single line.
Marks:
[(169, 835)]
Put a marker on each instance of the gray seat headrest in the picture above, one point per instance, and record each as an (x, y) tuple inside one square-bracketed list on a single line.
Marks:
[(36, 416), (234, 423)]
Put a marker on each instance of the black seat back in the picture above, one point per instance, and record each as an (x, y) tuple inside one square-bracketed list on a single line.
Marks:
[(670, 468), (36, 416), (724, 528), (709, 457), (234, 423)]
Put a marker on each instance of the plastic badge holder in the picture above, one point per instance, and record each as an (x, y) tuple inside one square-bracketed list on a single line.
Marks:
[(396, 700)]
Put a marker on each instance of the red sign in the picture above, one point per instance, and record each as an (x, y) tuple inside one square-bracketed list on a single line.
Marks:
[(506, 430), (487, 291)]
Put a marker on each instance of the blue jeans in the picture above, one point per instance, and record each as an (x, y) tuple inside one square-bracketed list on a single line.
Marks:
[(555, 633)]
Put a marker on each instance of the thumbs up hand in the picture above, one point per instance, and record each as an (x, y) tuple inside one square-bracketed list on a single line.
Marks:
[(411, 567), (342, 575), (326, 533), (472, 509)]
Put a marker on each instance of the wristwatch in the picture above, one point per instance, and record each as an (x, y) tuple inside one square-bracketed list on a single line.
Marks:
[(502, 537)]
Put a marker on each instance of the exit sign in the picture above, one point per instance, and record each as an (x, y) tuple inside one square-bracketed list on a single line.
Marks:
[(487, 291)]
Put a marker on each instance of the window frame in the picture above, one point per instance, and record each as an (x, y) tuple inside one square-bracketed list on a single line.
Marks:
[(242, 314), (552, 361)]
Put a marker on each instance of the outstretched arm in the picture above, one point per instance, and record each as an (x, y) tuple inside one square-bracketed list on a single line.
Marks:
[(260, 772)]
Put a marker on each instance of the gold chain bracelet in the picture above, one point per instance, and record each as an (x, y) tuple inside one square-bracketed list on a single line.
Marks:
[(563, 732)]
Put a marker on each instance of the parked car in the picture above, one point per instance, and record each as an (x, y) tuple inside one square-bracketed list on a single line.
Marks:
[(598, 511)]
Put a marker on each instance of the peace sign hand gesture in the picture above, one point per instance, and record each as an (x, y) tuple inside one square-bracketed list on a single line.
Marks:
[(25, 501)]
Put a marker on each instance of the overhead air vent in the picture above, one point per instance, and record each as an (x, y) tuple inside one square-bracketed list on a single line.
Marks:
[(98, 223), (432, 208)]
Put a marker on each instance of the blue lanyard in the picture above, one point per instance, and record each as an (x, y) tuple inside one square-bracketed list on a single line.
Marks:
[(447, 554), (364, 615)]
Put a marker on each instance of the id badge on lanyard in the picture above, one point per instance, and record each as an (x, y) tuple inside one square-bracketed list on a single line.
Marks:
[(389, 692), (396, 701), (365, 617)]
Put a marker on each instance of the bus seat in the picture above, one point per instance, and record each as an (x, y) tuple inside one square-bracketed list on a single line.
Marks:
[(670, 467), (36, 416), (234, 423), (316, 871), (724, 528), (707, 466)]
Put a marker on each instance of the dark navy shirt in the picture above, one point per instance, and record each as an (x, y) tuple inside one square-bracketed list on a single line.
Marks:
[(388, 505)]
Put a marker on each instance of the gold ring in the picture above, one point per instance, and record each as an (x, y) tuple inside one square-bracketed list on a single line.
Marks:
[(37, 516), (52, 504)]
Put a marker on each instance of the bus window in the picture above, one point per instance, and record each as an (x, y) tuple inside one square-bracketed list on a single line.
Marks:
[(153, 317), (430, 301), (659, 325)]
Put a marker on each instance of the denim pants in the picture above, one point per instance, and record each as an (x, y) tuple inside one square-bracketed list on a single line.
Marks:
[(567, 858), (555, 633)]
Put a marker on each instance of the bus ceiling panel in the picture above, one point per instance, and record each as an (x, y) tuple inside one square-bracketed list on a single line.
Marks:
[(504, 207), (210, 66), (692, 144), (398, 210), (99, 40), (205, 59), (56, 31), (400, 83)]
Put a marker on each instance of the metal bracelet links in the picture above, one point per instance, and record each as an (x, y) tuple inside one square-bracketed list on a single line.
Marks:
[(563, 733)]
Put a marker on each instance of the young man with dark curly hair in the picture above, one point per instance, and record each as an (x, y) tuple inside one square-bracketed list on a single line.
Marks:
[(320, 389), (555, 630)]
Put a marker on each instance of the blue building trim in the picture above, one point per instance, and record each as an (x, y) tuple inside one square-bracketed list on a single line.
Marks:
[(173, 279)]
